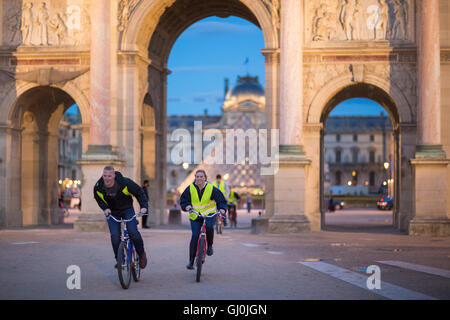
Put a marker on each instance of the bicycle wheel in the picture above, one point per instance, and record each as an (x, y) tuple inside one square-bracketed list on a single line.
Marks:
[(123, 266), (200, 258), (135, 269)]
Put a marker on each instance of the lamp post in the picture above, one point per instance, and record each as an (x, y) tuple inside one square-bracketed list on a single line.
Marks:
[(386, 175)]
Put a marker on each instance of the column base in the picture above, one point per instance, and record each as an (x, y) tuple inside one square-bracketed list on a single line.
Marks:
[(289, 224), (430, 227), (91, 222)]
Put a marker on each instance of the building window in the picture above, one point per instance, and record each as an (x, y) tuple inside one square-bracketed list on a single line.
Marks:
[(372, 178), (338, 156), (372, 138), (338, 137), (355, 154), (372, 156), (355, 138), (338, 178)]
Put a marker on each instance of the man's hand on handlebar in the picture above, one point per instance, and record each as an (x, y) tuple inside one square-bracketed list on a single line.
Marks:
[(107, 212)]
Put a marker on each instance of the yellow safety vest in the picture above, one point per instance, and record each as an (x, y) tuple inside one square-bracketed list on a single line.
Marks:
[(205, 205), (232, 200), (221, 188)]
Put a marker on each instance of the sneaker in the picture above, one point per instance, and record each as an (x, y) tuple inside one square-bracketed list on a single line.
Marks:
[(210, 251), (190, 265), (143, 260)]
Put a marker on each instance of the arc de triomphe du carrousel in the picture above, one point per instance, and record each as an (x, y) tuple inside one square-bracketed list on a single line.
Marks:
[(110, 58)]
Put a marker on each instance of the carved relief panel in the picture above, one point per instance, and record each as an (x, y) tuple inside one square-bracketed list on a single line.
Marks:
[(354, 21), (45, 23)]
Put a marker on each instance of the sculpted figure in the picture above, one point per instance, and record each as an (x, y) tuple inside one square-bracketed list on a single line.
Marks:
[(42, 23), (60, 28), (27, 23), (348, 18), (14, 25), (399, 31), (383, 21)]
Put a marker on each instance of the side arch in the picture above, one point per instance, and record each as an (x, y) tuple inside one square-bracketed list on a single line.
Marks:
[(384, 91), (10, 113)]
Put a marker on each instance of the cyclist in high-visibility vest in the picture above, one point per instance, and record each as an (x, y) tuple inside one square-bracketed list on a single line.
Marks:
[(203, 197), (232, 211), (222, 186)]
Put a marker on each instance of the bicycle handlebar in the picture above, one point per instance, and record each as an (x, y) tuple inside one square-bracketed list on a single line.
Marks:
[(127, 220), (203, 215)]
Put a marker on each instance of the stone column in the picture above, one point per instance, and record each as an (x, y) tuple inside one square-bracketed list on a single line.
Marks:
[(289, 180), (430, 163), (100, 74), (99, 153)]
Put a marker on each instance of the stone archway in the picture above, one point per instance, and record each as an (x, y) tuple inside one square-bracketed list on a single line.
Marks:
[(34, 118), (145, 41), (339, 90)]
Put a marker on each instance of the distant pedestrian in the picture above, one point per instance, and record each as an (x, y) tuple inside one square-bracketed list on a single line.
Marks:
[(248, 201), (331, 205), (144, 218)]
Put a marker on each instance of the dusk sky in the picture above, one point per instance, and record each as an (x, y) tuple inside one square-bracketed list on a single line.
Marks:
[(217, 48)]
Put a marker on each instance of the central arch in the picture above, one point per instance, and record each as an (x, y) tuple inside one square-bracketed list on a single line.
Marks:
[(144, 48), (402, 117)]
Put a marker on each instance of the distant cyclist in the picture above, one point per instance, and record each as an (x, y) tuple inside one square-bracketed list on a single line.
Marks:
[(113, 193), (223, 187), (203, 197)]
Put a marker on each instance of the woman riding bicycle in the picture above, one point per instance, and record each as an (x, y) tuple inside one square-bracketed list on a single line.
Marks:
[(202, 197), (113, 193)]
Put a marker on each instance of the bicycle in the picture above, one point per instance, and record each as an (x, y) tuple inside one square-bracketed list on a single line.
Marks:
[(201, 244), (127, 257)]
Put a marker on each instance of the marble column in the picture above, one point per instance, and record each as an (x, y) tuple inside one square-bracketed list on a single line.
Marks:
[(289, 181), (291, 74), (99, 153), (430, 163), (100, 66)]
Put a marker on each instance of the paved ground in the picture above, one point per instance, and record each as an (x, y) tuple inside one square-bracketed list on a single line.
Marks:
[(319, 265)]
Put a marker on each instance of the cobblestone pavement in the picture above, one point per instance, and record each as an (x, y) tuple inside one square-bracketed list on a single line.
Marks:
[(318, 265)]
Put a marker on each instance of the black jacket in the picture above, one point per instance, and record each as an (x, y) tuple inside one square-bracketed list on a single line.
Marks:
[(216, 195), (123, 199)]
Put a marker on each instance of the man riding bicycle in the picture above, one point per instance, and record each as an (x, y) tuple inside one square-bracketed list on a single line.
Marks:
[(203, 197), (113, 193)]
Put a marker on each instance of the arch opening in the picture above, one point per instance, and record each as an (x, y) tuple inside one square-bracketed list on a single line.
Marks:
[(45, 153), (359, 160)]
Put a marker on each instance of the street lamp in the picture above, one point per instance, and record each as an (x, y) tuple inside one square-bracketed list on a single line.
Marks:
[(386, 165)]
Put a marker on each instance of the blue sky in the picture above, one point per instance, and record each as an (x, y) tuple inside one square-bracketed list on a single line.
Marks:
[(217, 48)]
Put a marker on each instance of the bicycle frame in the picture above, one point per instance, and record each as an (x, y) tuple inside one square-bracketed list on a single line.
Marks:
[(202, 236), (125, 236)]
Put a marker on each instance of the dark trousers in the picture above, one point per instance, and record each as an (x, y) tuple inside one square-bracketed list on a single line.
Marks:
[(133, 233), (196, 227), (144, 221)]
